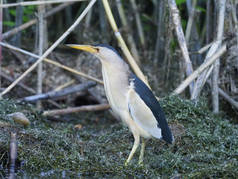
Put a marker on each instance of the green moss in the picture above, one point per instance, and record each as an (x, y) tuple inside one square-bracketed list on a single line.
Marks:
[(207, 148)]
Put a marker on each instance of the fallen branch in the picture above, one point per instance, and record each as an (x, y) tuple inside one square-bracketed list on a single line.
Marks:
[(56, 94), (47, 52), (52, 62), (97, 107), (32, 3), (34, 21), (199, 70)]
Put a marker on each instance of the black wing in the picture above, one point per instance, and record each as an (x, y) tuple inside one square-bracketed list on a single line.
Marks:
[(149, 99)]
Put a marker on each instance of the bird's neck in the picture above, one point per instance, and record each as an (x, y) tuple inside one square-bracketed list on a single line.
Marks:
[(115, 79)]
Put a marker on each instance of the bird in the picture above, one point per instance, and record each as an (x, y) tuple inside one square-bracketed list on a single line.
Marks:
[(130, 99)]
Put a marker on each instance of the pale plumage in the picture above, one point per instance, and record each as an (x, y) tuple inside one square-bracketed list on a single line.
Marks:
[(130, 98)]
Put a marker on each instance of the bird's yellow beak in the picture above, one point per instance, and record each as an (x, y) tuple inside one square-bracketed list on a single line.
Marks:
[(87, 48)]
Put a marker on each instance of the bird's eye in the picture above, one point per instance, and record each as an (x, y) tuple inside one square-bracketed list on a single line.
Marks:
[(97, 49)]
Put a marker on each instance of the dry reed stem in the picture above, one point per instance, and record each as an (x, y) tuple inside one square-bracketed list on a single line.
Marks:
[(130, 38), (199, 70), (41, 11), (52, 62), (190, 21), (215, 75), (74, 71), (30, 3), (47, 52), (122, 43), (234, 17), (1, 25), (138, 22), (206, 73), (181, 40)]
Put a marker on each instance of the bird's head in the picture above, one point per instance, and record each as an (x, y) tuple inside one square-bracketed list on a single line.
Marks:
[(105, 53)]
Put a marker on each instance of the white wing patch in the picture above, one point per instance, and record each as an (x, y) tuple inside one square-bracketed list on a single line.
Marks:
[(141, 113)]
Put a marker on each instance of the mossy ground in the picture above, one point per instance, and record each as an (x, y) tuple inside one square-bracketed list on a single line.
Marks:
[(207, 148)]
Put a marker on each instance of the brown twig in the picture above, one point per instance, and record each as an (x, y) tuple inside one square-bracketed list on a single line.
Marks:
[(47, 52), (97, 107)]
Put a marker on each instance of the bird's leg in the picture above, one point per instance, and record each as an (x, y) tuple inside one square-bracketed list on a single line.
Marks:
[(142, 151), (133, 150)]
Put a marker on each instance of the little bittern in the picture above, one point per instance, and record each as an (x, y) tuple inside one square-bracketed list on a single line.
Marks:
[(130, 99)]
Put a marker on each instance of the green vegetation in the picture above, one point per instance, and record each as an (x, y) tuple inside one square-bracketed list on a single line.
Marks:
[(207, 148), (28, 12)]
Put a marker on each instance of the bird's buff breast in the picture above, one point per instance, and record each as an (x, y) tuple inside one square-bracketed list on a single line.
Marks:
[(115, 90)]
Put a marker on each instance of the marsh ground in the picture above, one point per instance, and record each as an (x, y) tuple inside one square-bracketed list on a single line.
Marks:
[(206, 145)]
